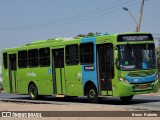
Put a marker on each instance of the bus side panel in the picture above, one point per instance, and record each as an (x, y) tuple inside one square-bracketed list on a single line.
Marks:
[(73, 76), (90, 74), (5, 73), (5, 78), (44, 81), (40, 77), (22, 81)]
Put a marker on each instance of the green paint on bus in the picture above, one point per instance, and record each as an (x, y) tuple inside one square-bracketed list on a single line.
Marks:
[(122, 65)]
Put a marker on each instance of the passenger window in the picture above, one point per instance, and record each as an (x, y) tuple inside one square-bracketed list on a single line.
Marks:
[(72, 54), (33, 58), (5, 60), (44, 57), (22, 59), (87, 53)]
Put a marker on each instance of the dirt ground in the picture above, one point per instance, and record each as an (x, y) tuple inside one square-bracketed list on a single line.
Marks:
[(13, 106)]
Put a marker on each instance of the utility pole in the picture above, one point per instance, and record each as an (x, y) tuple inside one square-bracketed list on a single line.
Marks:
[(140, 17)]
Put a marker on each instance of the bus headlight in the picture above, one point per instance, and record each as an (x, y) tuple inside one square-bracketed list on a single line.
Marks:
[(156, 79), (124, 80)]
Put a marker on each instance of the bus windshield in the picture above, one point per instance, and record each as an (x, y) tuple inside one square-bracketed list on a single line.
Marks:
[(136, 56)]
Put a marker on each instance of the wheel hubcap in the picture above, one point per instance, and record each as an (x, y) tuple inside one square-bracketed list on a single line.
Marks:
[(92, 93)]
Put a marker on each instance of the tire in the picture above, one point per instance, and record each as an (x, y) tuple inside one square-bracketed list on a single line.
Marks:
[(33, 92), (127, 98), (92, 94)]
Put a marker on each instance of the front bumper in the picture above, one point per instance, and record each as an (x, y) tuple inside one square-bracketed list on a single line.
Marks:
[(124, 89)]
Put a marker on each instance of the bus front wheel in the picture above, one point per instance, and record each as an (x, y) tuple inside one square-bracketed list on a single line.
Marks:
[(92, 94), (33, 92)]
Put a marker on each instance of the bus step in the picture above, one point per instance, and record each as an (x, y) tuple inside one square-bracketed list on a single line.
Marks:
[(59, 95), (109, 96)]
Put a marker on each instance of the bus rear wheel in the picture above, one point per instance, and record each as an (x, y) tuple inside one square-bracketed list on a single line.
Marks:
[(92, 94), (126, 98), (33, 92)]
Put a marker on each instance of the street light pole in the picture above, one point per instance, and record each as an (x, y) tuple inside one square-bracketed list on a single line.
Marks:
[(140, 17), (126, 9)]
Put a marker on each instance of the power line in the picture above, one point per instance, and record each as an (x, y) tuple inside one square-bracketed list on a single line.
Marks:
[(100, 11), (84, 19), (76, 16), (63, 19)]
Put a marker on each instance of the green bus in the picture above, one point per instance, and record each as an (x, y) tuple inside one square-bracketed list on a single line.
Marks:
[(118, 65)]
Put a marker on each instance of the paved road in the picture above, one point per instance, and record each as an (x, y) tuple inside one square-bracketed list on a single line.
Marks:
[(139, 102)]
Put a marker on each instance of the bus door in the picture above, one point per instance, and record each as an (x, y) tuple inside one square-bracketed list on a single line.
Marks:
[(13, 73), (58, 71), (105, 67)]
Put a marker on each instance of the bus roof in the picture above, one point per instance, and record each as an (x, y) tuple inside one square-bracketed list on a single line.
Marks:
[(58, 41)]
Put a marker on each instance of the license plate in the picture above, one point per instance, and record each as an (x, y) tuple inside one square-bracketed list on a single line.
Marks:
[(143, 86)]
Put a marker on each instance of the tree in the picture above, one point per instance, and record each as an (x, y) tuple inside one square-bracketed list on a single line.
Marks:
[(90, 34), (81, 35)]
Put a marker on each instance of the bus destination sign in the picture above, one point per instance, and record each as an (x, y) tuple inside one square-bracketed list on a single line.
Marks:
[(136, 37)]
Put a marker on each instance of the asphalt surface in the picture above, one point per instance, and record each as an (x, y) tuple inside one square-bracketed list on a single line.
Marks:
[(139, 102)]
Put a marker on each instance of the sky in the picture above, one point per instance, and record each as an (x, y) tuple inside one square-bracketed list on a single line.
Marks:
[(24, 21)]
